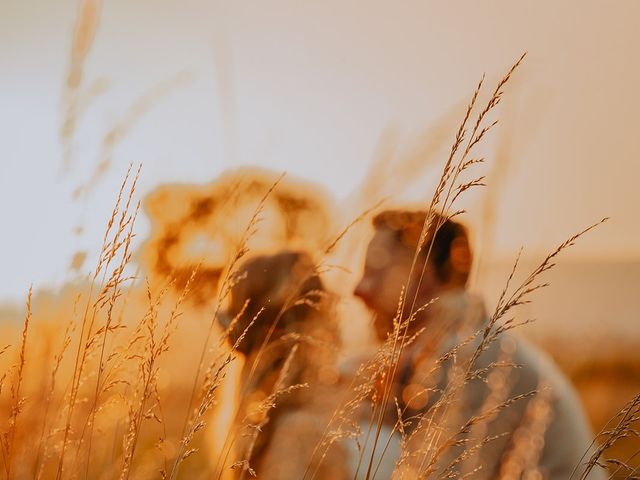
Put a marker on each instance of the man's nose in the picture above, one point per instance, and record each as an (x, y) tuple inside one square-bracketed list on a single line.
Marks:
[(363, 290), (224, 319)]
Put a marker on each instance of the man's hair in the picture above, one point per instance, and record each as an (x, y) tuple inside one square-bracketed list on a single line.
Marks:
[(448, 250)]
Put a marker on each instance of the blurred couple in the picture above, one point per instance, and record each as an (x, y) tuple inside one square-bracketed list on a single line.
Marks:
[(449, 392)]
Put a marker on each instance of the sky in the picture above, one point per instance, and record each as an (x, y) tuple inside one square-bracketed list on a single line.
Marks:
[(317, 89)]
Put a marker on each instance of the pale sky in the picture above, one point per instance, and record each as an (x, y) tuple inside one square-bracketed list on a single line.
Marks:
[(310, 88)]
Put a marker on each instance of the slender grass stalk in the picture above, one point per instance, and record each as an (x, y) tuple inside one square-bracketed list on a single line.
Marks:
[(17, 402), (110, 247)]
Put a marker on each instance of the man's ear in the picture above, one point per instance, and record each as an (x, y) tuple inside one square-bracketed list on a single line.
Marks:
[(460, 259)]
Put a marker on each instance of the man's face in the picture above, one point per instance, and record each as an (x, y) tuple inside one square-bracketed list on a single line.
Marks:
[(386, 271)]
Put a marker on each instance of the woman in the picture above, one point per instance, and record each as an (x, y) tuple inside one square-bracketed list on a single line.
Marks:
[(281, 319)]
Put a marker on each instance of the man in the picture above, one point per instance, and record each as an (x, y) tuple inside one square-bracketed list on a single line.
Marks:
[(479, 408)]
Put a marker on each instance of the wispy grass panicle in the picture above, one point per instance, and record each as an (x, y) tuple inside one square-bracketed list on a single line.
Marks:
[(43, 445), (208, 387), (107, 284), (157, 344), (17, 400), (446, 193), (84, 33), (624, 425)]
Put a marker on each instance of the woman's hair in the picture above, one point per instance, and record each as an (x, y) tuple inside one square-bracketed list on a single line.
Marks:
[(278, 302), (276, 292)]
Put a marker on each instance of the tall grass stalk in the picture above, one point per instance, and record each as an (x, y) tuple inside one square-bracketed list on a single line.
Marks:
[(120, 223), (193, 422), (17, 401), (447, 183)]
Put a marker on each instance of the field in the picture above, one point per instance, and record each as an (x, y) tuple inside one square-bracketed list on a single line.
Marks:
[(137, 369)]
